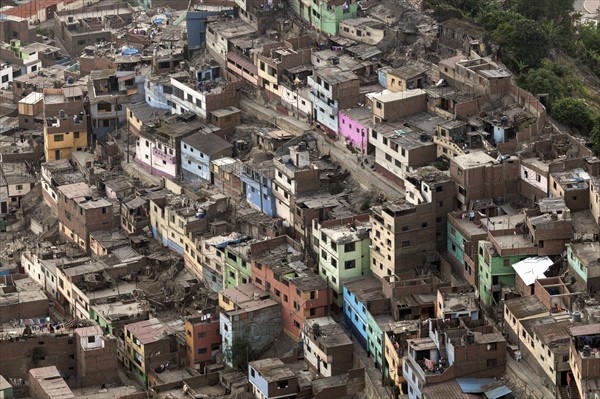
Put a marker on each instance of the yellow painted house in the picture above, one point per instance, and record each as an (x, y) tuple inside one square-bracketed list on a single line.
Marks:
[(63, 135)]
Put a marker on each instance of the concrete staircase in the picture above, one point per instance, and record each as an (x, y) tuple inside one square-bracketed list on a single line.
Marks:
[(443, 351), (572, 392)]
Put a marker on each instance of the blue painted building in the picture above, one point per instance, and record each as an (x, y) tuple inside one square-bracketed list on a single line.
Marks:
[(212, 280), (271, 378), (257, 180), (197, 151), (357, 295), (382, 77), (196, 22), (167, 241)]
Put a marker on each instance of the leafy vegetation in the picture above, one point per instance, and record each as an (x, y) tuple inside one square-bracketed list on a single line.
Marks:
[(336, 188), (574, 112), (239, 353), (48, 32), (545, 44), (366, 203)]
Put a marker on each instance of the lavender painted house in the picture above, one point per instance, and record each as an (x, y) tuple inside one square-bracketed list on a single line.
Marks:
[(158, 149), (353, 127)]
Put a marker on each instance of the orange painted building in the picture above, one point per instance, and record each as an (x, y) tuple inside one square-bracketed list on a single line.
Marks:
[(302, 294), (202, 339)]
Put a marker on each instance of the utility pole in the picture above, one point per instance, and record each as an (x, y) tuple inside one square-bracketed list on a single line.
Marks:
[(116, 113), (297, 106), (127, 139)]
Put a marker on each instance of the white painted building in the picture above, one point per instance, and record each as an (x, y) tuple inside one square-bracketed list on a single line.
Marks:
[(33, 268), (6, 75), (49, 170), (157, 156), (218, 34), (41, 267), (297, 100), (187, 99), (16, 182)]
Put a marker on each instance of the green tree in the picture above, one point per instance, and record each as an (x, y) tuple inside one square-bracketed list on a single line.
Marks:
[(554, 78), (542, 81), (589, 36), (522, 41), (575, 113), (492, 18), (239, 353), (549, 10), (48, 31), (595, 137)]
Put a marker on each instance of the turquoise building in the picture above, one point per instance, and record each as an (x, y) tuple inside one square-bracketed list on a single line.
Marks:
[(324, 15), (584, 261), (366, 313)]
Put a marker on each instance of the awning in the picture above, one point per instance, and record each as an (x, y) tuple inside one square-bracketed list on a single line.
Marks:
[(243, 62), (473, 385), (497, 393)]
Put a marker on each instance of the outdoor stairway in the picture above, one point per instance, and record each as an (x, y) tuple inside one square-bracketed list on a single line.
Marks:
[(572, 391), (443, 351)]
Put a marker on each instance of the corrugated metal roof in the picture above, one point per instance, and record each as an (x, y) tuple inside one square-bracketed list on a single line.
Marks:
[(446, 390), (498, 392), (589, 329), (473, 385), (533, 268)]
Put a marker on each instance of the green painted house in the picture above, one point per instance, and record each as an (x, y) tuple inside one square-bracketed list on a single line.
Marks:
[(325, 15), (342, 247), (376, 326), (456, 246), (495, 266), (102, 322), (238, 269), (6, 390), (17, 49), (113, 316), (584, 261)]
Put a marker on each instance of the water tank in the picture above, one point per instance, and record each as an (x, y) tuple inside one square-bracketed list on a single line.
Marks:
[(61, 114), (587, 351), (469, 338), (316, 330), (576, 317), (70, 80)]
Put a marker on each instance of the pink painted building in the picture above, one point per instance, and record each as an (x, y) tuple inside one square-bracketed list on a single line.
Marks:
[(353, 127)]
